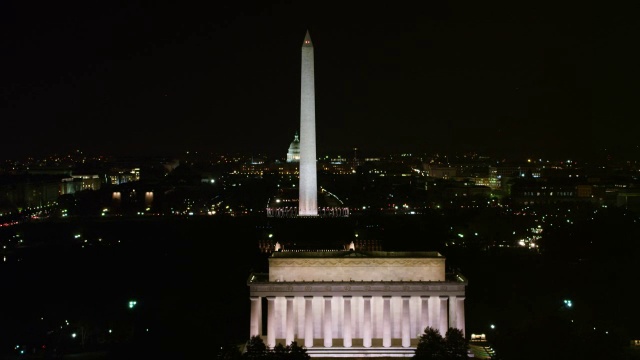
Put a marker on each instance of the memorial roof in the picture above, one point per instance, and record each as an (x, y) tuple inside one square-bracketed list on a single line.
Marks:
[(348, 254)]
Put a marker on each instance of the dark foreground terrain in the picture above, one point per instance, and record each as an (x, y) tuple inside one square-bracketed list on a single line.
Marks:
[(188, 276)]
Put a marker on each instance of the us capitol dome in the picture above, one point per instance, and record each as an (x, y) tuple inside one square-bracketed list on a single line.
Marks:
[(293, 155)]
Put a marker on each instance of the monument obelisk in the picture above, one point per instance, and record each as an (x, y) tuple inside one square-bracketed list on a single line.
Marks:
[(308, 189)]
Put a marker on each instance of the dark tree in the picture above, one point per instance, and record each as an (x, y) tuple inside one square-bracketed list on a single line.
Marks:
[(431, 345), (229, 352), (256, 348), (279, 352), (455, 344), (297, 352)]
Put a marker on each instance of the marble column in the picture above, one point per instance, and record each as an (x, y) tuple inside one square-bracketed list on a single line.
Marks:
[(424, 313), (386, 321), (308, 321), (453, 310), (328, 334), (271, 321), (346, 328), (434, 312), (406, 322), (290, 321), (460, 316), (256, 314), (443, 325), (366, 331)]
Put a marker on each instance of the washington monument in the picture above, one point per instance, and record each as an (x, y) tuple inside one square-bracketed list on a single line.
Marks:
[(308, 196)]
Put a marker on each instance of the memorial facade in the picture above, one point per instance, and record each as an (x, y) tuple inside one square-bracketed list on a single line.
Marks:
[(354, 303)]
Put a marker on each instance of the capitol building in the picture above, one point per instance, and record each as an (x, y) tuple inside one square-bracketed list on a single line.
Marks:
[(293, 155)]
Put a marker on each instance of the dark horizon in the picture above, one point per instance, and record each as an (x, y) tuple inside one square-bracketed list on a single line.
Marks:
[(609, 155), (546, 80)]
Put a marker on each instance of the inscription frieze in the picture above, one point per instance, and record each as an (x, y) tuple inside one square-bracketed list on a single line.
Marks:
[(358, 263), (364, 288)]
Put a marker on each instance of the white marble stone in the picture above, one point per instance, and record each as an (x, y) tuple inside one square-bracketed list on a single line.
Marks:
[(356, 269), (309, 299), (308, 189)]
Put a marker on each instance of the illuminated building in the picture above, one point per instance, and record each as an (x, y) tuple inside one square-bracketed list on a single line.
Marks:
[(353, 303), (293, 155)]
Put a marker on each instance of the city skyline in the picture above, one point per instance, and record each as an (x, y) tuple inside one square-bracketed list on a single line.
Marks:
[(157, 79)]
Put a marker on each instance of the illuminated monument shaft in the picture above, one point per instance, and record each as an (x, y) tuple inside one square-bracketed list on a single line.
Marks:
[(308, 196)]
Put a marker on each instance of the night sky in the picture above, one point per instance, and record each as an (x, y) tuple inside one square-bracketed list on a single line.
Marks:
[(506, 78)]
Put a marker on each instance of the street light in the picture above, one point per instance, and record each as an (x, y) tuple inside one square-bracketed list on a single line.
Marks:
[(132, 304)]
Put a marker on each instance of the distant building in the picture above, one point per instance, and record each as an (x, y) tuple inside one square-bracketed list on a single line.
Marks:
[(440, 172), (293, 155), (88, 181), (24, 192), (119, 176), (517, 171)]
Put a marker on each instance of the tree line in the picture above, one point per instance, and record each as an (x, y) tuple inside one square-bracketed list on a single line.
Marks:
[(432, 345)]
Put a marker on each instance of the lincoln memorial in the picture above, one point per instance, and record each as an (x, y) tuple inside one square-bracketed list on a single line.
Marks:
[(354, 303)]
